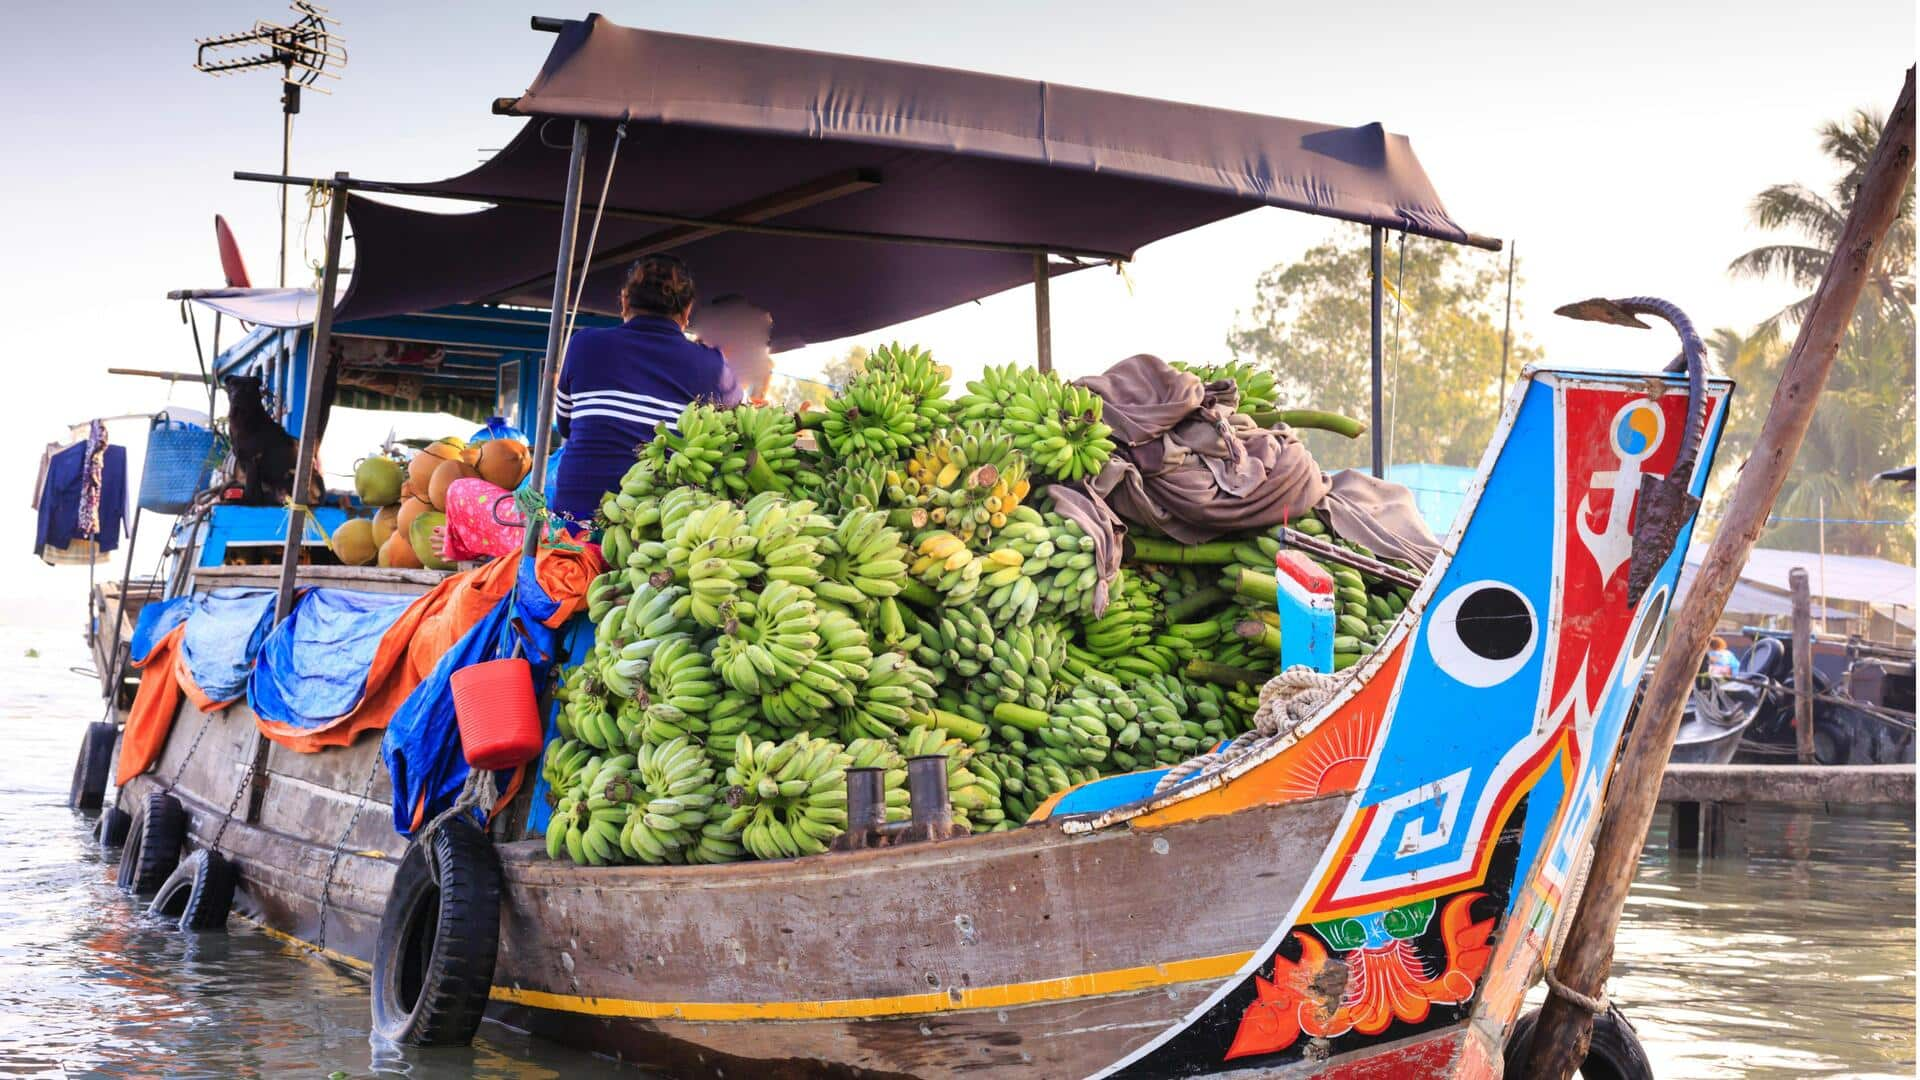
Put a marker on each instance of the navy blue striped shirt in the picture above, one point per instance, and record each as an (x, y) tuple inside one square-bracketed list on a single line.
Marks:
[(616, 384)]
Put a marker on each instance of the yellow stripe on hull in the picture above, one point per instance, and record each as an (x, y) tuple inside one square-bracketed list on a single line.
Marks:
[(1006, 995)]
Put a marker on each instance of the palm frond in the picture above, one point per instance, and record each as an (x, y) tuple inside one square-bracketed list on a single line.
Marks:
[(1798, 263), (1793, 206)]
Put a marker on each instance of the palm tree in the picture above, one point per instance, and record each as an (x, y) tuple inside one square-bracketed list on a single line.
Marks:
[(1819, 219)]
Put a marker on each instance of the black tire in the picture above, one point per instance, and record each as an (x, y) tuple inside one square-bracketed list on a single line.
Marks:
[(153, 844), (439, 937), (92, 766), (112, 828), (1614, 1054), (199, 893)]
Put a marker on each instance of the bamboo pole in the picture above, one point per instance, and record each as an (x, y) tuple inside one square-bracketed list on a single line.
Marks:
[(556, 333), (1565, 1029)]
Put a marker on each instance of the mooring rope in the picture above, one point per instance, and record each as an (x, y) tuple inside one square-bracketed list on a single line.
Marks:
[(1288, 700)]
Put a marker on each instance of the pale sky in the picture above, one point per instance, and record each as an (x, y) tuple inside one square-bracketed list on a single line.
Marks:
[(1618, 144)]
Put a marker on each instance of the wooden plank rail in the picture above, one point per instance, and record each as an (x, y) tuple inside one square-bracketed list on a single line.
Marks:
[(1856, 785)]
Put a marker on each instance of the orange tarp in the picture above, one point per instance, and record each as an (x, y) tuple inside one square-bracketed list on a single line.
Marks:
[(424, 632)]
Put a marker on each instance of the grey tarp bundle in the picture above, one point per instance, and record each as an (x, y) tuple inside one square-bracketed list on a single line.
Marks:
[(1190, 466)]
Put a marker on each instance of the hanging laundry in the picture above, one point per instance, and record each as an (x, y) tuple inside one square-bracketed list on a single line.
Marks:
[(83, 503)]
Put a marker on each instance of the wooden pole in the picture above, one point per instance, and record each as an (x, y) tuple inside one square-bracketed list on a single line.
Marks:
[(1802, 663), (1565, 1028), (1043, 312), (316, 381), (556, 332), (1376, 300)]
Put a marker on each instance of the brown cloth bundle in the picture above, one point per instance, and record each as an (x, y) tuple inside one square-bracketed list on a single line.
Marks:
[(1189, 465)]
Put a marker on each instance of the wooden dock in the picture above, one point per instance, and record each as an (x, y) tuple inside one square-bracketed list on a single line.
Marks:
[(1708, 802)]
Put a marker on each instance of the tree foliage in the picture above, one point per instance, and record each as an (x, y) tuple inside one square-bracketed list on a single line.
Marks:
[(1309, 324), (1864, 423)]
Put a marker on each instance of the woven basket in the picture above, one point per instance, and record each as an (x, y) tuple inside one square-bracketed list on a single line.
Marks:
[(181, 458)]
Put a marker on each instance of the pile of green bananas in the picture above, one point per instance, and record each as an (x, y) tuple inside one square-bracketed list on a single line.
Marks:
[(968, 479), (889, 407), (1054, 423), (974, 797), (894, 693)]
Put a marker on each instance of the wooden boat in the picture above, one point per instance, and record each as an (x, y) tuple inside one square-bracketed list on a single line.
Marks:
[(1368, 894)]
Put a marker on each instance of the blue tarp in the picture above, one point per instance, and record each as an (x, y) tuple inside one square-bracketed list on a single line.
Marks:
[(422, 742), (156, 622), (224, 632), (312, 668)]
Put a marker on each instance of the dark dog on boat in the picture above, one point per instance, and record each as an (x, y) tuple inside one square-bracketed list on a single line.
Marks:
[(264, 454)]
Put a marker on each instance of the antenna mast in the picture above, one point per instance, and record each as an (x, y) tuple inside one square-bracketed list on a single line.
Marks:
[(304, 50)]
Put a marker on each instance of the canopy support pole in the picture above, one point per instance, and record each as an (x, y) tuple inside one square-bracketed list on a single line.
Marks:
[(1043, 311), (1377, 301), (556, 327), (317, 359)]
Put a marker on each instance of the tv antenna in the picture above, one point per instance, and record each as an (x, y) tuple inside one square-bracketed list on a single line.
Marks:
[(304, 50)]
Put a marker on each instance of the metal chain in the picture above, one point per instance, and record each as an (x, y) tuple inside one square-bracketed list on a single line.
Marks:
[(206, 721), (234, 804), (333, 861)]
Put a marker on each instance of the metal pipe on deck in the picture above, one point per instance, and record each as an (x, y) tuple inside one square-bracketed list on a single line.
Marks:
[(556, 327), (318, 358)]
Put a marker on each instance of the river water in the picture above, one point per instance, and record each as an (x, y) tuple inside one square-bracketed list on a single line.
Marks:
[(1796, 960)]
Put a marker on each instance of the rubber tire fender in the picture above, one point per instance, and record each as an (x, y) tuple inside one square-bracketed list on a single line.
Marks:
[(439, 936), (92, 766), (199, 893), (1614, 1054), (111, 830), (153, 844)]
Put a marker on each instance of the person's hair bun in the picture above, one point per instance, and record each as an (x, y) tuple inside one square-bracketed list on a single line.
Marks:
[(658, 285)]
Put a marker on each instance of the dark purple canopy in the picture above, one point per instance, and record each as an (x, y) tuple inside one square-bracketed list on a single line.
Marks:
[(832, 144)]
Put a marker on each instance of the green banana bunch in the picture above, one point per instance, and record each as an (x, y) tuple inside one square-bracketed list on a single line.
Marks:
[(586, 826), (1054, 423), (859, 483), (588, 719), (913, 370), (863, 560), (696, 448), (895, 694), (608, 591), (876, 414), (1259, 392), (1072, 733), (974, 798), (1025, 785), (670, 792), (786, 799), (681, 691), (768, 457), (956, 643), (945, 565), (562, 763), (829, 680), (1127, 624), (1173, 725), (1024, 669), (769, 640)]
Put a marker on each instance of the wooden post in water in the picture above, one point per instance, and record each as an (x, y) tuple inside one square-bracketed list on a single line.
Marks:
[(1802, 663), (1561, 1038)]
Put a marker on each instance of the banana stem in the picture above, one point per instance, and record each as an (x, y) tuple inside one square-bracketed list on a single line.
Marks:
[(1188, 607), (1155, 550), (958, 726), (1312, 418), (1028, 720), (1259, 632), (1225, 674), (1255, 585), (810, 420)]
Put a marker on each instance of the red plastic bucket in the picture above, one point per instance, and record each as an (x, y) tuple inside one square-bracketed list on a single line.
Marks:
[(499, 718)]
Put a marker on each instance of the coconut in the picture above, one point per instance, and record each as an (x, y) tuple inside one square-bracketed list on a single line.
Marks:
[(447, 449), (409, 510), (378, 479), (443, 478), (398, 553), (504, 462), (421, 534), (384, 523), (353, 543), (420, 472)]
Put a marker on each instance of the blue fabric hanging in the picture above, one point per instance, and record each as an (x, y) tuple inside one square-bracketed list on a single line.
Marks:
[(421, 747), (156, 621), (223, 635), (58, 524), (312, 668)]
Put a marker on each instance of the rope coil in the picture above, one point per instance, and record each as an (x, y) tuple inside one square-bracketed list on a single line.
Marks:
[(1287, 701)]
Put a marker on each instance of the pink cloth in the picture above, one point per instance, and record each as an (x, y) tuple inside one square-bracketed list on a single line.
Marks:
[(482, 521)]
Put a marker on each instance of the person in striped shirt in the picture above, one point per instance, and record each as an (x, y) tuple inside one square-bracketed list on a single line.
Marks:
[(619, 381), (616, 384)]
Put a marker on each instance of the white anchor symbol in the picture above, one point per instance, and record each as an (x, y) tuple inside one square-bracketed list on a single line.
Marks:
[(1612, 545)]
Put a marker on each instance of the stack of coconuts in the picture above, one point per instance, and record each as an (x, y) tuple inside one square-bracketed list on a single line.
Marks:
[(410, 499)]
